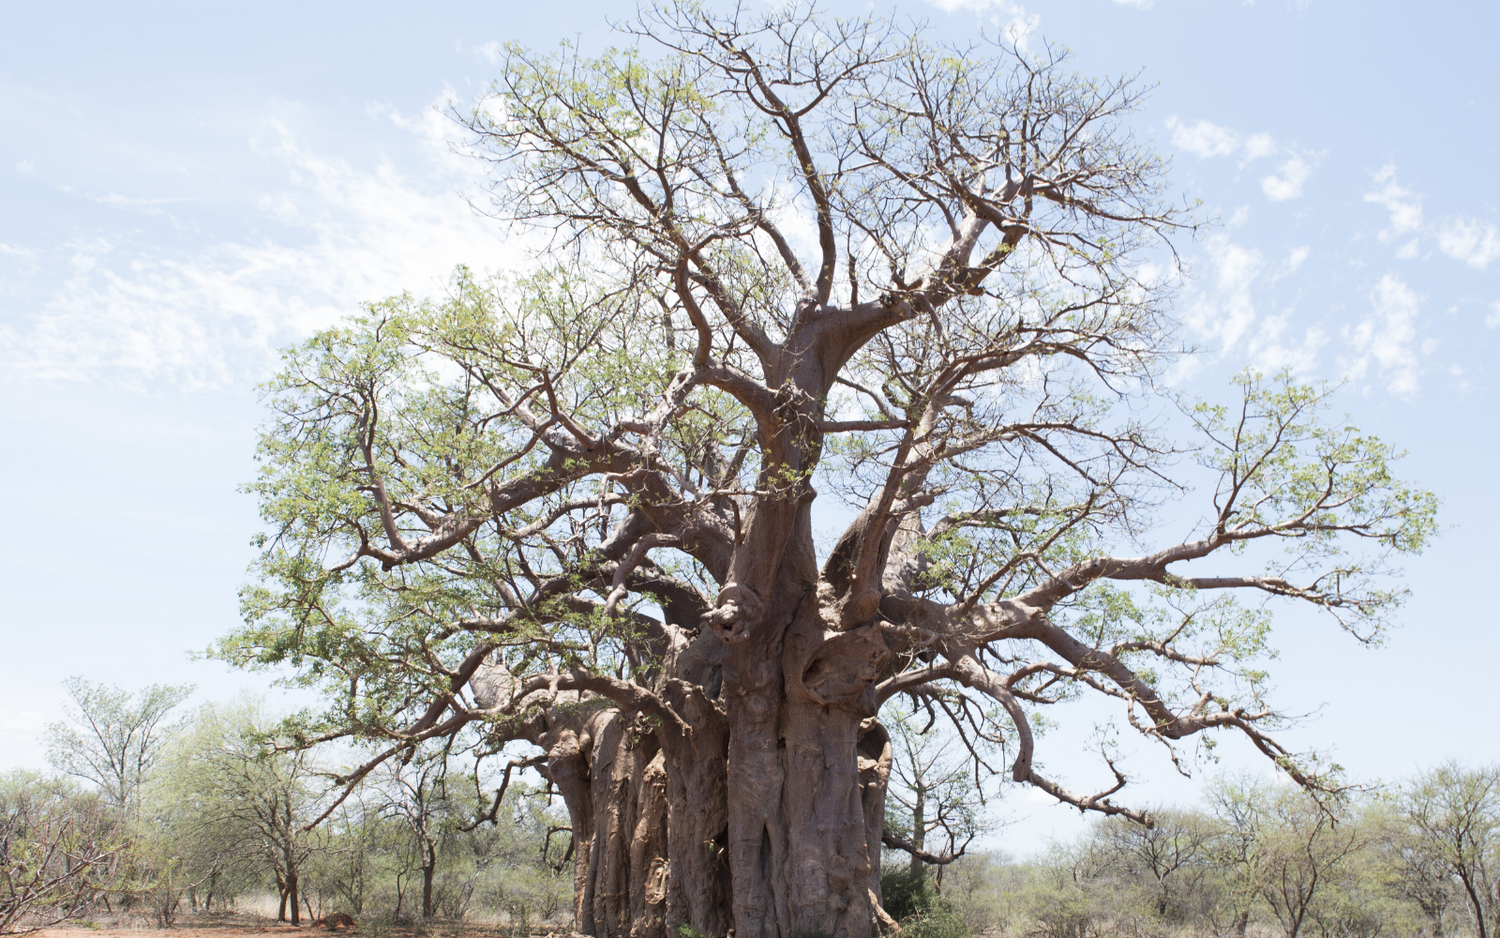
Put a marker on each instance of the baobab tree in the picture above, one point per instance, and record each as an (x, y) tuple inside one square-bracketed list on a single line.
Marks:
[(786, 256)]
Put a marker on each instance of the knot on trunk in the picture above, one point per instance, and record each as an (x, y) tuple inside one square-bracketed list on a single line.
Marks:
[(860, 603), (836, 667), (739, 610)]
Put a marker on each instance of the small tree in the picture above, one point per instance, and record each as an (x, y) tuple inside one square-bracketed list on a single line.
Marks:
[(258, 797), (415, 794), (1172, 858), (934, 799), (523, 860), (1453, 821), (348, 868), (113, 737), (1407, 872), (185, 845), (1303, 847)]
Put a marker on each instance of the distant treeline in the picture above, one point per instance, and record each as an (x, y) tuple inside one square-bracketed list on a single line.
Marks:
[(152, 819), (1418, 858)]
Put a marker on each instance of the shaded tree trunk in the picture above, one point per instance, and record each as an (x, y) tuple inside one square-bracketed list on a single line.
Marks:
[(1241, 922), (767, 816), (281, 892), (429, 869), (291, 891), (1475, 903)]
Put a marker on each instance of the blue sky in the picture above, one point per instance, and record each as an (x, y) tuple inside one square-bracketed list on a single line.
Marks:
[(186, 188)]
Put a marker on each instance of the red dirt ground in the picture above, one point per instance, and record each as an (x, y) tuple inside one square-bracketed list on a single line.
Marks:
[(241, 926)]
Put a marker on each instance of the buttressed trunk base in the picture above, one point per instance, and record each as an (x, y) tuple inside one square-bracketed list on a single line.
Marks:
[(765, 818)]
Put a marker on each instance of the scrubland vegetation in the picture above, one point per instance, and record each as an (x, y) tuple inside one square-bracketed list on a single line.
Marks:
[(157, 821)]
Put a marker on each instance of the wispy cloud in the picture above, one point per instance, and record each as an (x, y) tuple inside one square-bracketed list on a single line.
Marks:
[(1469, 240), (1224, 310), (115, 200), (1016, 24), (1203, 139), (342, 235), (1465, 239), (1206, 140), (1387, 338), (1286, 182), (1405, 206), (1228, 312)]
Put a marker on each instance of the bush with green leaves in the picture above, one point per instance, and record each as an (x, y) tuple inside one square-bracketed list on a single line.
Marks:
[(58, 850)]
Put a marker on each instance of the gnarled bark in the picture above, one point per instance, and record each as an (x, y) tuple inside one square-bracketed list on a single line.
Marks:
[(767, 818)]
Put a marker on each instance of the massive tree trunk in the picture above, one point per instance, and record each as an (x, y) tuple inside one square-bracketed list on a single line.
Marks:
[(774, 799), (772, 826), (766, 816)]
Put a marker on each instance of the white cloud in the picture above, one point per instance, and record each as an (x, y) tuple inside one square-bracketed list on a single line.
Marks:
[(1387, 338), (1297, 258), (1259, 145), (1405, 207), (1203, 139), (1470, 241), (1232, 312), (1493, 319), (491, 51), (1299, 357), (26, 166), (340, 235), (1016, 24), (1287, 182), (1225, 312), (1474, 242), (1143, 4)]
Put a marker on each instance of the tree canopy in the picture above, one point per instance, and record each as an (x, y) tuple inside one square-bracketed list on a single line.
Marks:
[(787, 256)]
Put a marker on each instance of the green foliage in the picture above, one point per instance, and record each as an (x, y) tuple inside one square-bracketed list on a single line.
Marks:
[(938, 920), (414, 398), (905, 891), (58, 848), (1061, 909), (1289, 474), (1448, 822)]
